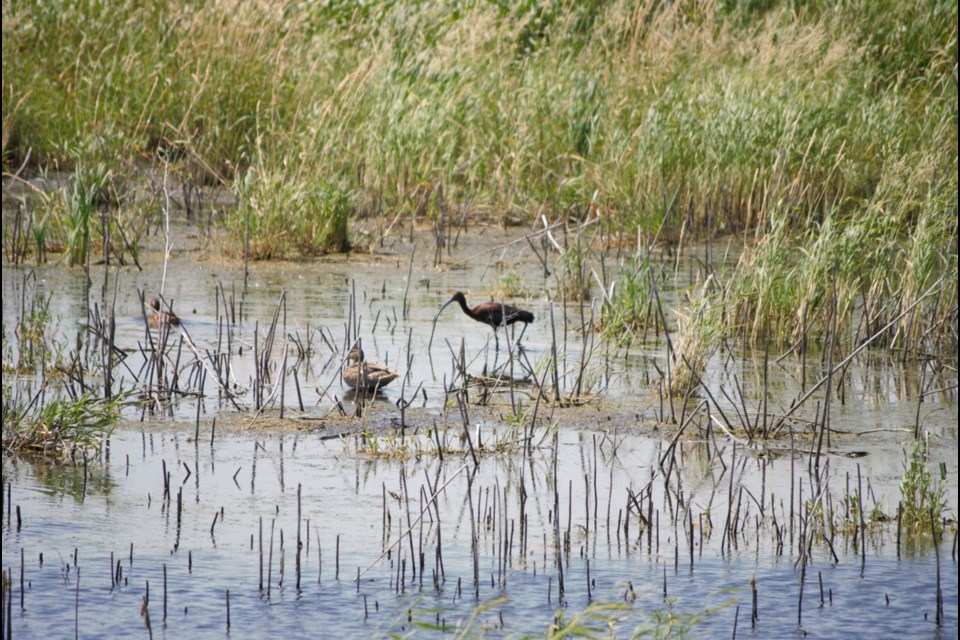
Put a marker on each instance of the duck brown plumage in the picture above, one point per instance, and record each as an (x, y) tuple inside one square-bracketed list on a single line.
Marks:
[(159, 317), (366, 376)]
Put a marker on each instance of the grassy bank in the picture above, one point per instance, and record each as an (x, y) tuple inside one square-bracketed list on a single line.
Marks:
[(820, 130)]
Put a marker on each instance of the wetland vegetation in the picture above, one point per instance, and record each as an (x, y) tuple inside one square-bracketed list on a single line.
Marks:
[(822, 135), (735, 223)]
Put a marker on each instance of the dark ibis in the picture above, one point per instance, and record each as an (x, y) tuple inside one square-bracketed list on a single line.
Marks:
[(494, 314), (159, 317), (366, 376)]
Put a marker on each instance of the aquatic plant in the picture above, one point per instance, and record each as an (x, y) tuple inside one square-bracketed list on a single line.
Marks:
[(511, 286), (599, 620), (629, 308), (61, 428), (33, 345), (602, 618), (445, 441), (82, 201), (923, 498), (282, 213), (573, 281), (699, 329)]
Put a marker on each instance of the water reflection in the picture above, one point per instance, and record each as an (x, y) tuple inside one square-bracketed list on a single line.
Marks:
[(204, 513), (200, 480)]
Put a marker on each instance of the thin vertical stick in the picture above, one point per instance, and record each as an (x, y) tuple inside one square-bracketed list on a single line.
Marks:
[(936, 550), (270, 558), (283, 388), (164, 592), (299, 545), (22, 564), (76, 613)]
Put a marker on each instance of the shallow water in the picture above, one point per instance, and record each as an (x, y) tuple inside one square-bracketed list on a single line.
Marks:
[(87, 517), (255, 477)]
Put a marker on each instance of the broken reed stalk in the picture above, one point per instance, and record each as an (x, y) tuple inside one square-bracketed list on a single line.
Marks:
[(410, 525), (828, 395), (406, 291), (936, 551), (556, 518), (283, 382), (474, 542), (863, 524), (403, 404), (553, 356), (246, 250), (666, 334)]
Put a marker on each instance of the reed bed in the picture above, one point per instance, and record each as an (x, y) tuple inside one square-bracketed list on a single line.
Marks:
[(825, 136)]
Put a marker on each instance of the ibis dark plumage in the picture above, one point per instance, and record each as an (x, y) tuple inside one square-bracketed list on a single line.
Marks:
[(493, 314)]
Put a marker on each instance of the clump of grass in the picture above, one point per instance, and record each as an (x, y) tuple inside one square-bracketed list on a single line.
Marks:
[(285, 213), (61, 428), (82, 202), (629, 308), (922, 496), (601, 619), (72, 218), (878, 261), (573, 280), (446, 442), (33, 345), (700, 329), (510, 287), (131, 81)]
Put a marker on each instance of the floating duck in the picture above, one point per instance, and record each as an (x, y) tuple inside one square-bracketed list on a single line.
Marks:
[(159, 317), (366, 376)]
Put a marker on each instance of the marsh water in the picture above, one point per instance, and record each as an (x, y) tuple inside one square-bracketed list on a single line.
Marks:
[(212, 516)]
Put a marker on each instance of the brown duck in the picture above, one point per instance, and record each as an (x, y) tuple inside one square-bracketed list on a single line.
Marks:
[(366, 376), (159, 317)]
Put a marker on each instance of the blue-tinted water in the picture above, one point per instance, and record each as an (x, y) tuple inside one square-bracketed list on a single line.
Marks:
[(84, 519), (254, 477)]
